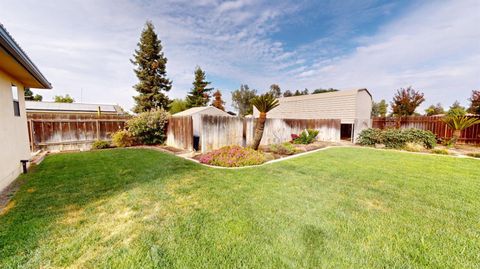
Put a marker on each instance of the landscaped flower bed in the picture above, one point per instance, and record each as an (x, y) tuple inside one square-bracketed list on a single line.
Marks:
[(233, 156)]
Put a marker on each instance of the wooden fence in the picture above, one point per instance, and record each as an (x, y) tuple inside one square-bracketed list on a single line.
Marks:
[(434, 124), (220, 131), (280, 130), (70, 131), (180, 132)]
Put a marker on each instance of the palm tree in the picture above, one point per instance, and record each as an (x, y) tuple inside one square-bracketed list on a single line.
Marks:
[(264, 103), (458, 122)]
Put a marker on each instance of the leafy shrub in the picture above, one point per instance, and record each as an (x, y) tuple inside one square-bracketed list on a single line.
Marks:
[(283, 149), (123, 138), (397, 138), (149, 127), (474, 155), (440, 151), (100, 144), (370, 137), (233, 156), (413, 147), (306, 137)]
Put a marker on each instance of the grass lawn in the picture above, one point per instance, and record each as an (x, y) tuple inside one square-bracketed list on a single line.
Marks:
[(342, 207)]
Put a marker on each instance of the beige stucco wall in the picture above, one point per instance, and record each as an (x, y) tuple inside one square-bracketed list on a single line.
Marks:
[(13, 132)]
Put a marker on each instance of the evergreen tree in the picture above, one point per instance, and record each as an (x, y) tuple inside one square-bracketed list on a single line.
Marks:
[(199, 94), (150, 69), (275, 91), (218, 102), (242, 100), (297, 93)]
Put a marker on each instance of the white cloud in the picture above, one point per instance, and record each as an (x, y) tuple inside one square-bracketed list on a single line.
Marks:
[(87, 45)]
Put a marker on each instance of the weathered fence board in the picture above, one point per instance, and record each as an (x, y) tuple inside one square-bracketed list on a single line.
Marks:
[(71, 131), (180, 132), (280, 130), (220, 131), (434, 124)]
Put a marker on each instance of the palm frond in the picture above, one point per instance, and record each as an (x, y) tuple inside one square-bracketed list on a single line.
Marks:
[(460, 122), (265, 102)]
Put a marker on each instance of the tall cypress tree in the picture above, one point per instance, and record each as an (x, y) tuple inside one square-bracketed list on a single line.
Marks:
[(150, 69), (218, 101), (199, 94)]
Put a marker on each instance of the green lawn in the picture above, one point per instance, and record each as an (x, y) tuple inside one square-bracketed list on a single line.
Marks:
[(342, 207)]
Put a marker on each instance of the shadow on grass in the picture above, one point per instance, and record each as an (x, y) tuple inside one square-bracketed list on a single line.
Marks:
[(66, 181)]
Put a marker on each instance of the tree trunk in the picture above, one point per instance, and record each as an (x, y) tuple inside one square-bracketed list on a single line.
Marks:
[(456, 134), (259, 130)]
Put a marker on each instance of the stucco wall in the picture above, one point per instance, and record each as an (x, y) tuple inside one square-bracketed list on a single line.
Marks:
[(13, 132)]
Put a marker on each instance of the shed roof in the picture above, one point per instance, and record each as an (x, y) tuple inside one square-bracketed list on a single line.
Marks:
[(10, 48), (346, 105), (202, 110), (32, 106)]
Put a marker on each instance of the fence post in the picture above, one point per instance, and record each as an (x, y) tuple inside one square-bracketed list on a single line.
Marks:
[(98, 129)]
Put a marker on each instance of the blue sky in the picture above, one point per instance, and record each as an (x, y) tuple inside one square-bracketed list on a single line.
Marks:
[(84, 47)]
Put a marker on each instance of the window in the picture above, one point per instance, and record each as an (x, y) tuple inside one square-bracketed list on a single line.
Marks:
[(16, 104)]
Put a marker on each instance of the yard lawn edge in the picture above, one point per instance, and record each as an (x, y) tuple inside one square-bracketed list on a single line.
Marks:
[(305, 153)]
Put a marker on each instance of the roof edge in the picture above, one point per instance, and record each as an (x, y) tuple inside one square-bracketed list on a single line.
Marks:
[(11, 47)]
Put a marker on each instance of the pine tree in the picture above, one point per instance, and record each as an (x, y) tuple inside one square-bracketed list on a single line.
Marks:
[(218, 102), (150, 69), (199, 94)]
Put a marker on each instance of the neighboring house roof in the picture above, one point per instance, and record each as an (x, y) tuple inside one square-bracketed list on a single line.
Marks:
[(205, 110), (32, 106), (346, 105), (11, 47)]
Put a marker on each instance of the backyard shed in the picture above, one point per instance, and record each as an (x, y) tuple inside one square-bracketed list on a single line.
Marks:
[(351, 107), (17, 72), (196, 114)]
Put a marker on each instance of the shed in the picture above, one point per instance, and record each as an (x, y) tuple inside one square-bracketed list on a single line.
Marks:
[(352, 107), (196, 114)]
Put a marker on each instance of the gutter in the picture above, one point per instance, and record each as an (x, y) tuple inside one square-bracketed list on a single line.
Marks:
[(13, 49)]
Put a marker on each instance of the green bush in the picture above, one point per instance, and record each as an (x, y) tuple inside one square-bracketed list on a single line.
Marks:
[(149, 127), (306, 137), (440, 151), (123, 138), (101, 144), (283, 149), (397, 138), (370, 137), (474, 155), (233, 156)]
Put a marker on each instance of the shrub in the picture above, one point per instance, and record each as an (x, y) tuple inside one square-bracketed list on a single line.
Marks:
[(149, 127), (440, 151), (123, 138), (283, 149), (474, 155), (100, 144), (370, 137), (413, 147), (233, 156), (397, 138), (306, 137)]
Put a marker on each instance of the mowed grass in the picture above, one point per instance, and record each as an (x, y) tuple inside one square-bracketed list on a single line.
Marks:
[(338, 208)]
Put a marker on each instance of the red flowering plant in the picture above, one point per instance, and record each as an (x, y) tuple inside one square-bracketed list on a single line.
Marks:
[(233, 156)]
